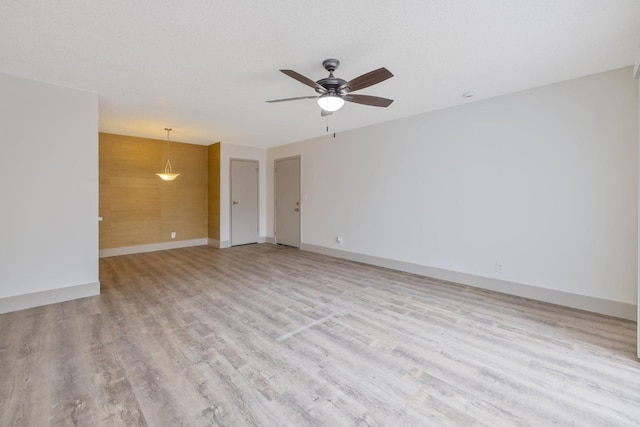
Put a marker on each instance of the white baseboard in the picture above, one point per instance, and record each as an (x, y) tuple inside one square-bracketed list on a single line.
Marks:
[(218, 244), (126, 250), (52, 296), (567, 299), (271, 240)]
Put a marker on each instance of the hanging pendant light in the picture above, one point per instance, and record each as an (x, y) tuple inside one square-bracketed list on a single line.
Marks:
[(168, 174)]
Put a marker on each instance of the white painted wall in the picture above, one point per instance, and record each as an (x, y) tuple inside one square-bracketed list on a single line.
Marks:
[(48, 187), (228, 152), (544, 181)]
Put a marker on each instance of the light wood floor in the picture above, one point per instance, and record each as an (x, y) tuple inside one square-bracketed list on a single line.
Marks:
[(268, 336)]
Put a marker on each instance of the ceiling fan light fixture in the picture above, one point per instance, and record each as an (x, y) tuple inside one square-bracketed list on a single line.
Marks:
[(334, 91), (330, 103)]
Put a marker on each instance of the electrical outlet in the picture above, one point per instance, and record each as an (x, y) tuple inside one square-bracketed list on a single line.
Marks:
[(499, 267), (173, 234)]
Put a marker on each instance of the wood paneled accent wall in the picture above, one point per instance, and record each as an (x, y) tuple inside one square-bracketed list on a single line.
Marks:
[(138, 207), (214, 191)]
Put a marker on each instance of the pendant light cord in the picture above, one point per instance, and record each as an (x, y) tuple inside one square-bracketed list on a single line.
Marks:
[(167, 166), (168, 146)]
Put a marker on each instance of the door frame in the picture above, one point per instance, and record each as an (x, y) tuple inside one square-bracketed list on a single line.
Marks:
[(257, 162), (275, 200)]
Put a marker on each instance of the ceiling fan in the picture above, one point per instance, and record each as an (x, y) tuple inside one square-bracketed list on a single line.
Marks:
[(333, 91)]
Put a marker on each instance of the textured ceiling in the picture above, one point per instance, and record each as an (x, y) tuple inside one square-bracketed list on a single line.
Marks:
[(205, 67)]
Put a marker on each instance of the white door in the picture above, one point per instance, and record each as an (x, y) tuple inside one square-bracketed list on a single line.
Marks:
[(244, 202), (287, 203)]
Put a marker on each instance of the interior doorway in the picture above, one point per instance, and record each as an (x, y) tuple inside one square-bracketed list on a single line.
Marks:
[(244, 202), (287, 201)]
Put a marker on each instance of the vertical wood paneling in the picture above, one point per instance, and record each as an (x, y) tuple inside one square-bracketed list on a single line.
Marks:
[(214, 191), (136, 205)]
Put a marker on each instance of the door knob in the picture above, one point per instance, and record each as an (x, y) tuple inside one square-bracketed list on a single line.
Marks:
[(235, 203), (297, 209)]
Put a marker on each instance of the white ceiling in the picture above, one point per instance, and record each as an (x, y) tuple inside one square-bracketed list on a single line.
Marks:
[(206, 67)]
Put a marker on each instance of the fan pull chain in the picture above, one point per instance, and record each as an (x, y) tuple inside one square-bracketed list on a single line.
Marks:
[(334, 134)]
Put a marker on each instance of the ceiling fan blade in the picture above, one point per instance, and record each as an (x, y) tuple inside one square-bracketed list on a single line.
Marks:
[(374, 101), (293, 99), (305, 80), (369, 79), (325, 113)]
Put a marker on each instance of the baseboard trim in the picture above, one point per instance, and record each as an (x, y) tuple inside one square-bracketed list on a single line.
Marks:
[(271, 240), (567, 299), (52, 296), (222, 245), (127, 250)]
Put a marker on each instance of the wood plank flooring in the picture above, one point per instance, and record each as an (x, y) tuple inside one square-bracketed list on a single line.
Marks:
[(263, 335)]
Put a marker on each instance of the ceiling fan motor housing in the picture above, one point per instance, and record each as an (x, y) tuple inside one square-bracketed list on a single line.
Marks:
[(331, 83)]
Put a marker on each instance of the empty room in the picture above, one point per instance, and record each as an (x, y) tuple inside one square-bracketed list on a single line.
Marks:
[(352, 213)]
